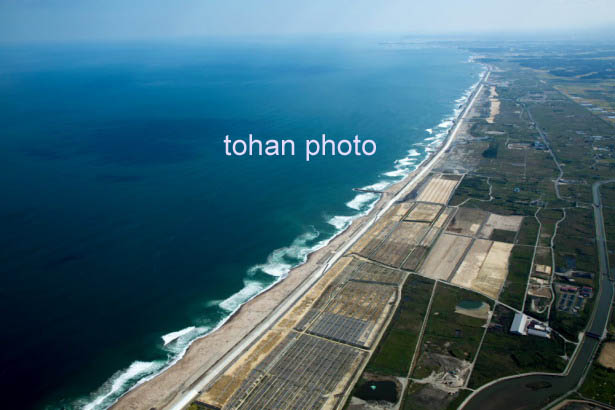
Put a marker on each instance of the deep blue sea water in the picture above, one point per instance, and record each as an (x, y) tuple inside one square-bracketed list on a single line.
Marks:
[(124, 222)]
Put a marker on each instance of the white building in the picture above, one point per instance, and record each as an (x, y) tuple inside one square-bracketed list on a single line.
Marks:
[(519, 324), (523, 325), (536, 329)]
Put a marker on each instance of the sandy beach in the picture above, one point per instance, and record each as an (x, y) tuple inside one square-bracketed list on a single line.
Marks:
[(210, 355)]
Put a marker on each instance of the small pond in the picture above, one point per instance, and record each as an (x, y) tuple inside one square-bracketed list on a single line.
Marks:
[(378, 391)]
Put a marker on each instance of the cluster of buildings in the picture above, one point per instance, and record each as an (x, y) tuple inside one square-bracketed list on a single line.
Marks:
[(525, 325), (572, 298), (585, 292)]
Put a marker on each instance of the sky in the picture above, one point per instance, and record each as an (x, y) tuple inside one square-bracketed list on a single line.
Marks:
[(78, 20)]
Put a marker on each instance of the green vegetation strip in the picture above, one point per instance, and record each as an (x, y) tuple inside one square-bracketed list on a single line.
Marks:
[(519, 266), (448, 332), (600, 385), (394, 353)]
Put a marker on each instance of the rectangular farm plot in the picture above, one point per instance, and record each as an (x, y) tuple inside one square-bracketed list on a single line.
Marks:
[(467, 221), (369, 242), (396, 349), (444, 256), (398, 210), (446, 214), (423, 212), (493, 273), (374, 237), (400, 243), (472, 263), (413, 261), (309, 373), (497, 223), (430, 237), (437, 190), (341, 271), (355, 314), (370, 272)]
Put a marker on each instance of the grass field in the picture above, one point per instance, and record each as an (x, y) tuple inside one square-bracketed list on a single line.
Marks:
[(504, 354), (519, 266), (448, 332), (471, 187), (599, 385), (394, 353), (424, 397)]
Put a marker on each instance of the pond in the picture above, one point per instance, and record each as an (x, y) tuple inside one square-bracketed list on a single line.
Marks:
[(470, 304), (378, 391)]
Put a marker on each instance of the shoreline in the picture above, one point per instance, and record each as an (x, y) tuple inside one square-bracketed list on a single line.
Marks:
[(208, 355)]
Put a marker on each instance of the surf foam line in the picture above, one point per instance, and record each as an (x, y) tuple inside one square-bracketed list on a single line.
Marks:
[(177, 343), (287, 304), (140, 372)]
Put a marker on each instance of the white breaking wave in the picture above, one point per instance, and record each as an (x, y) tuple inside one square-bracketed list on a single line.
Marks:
[(170, 337), (413, 153), (251, 288), (404, 162), (277, 265), (404, 166), (340, 222), (379, 186), (396, 173), (117, 383), (446, 123), (360, 200)]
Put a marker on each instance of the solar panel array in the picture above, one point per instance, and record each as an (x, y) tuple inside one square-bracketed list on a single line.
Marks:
[(302, 375)]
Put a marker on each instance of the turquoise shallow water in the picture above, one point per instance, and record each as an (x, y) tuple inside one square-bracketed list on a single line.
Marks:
[(124, 224)]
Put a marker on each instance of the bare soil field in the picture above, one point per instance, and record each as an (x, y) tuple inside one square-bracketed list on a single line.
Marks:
[(415, 258), (360, 300), (451, 374), (398, 211), (444, 256), (506, 223), (437, 190), (493, 273), (467, 221), (356, 314), (479, 313), (430, 237), (370, 272), (444, 217), (607, 355), (494, 107), (400, 243), (472, 263), (423, 212), (372, 239)]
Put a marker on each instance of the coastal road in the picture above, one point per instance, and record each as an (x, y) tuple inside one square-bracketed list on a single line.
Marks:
[(188, 396), (520, 392)]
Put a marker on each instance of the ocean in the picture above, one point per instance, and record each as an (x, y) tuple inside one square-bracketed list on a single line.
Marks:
[(126, 230)]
